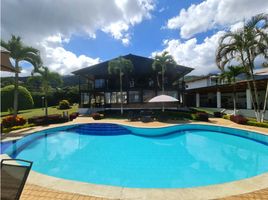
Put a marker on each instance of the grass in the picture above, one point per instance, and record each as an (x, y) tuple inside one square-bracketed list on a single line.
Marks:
[(39, 111)]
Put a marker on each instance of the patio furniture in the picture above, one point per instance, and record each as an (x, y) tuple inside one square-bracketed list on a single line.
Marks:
[(133, 116), (14, 173), (146, 116)]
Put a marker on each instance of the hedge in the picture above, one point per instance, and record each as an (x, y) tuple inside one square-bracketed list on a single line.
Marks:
[(259, 124), (7, 98)]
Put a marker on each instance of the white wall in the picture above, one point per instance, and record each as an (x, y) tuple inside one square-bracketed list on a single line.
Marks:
[(197, 84)]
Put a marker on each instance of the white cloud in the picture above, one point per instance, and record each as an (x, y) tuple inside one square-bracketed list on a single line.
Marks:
[(48, 24), (214, 13), (36, 20), (201, 57)]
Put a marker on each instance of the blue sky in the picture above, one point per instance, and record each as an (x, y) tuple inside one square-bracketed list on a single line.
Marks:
[(147, 36), (75, 34)]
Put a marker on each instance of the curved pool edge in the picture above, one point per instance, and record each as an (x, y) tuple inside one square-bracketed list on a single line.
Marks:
[(114, 192)]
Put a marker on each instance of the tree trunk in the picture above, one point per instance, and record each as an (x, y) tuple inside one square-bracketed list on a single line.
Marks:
[(253, 101), (16, 92), (234, 98), (46, 109), (163, 88), (121, 93), (265, 103)]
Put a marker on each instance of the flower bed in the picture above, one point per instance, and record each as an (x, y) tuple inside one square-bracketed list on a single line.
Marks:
[(10, 121)]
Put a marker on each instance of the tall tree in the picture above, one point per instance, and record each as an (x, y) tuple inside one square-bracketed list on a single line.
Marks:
[(230, 76), (20, 52), (244, 46), (160, 66), (47, 79), (120, 66)]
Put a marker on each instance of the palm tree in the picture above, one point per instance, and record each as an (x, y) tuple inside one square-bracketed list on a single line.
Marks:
[(160, 66), (47, 77), (244, 46), (19, 52), (120, 66), (230, 76)]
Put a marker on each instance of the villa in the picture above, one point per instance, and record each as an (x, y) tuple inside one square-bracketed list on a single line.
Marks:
[(211, 92), (99, 90)]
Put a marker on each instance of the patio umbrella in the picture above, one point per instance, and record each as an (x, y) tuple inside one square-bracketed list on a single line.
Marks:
[(5, 62), (162, 99)]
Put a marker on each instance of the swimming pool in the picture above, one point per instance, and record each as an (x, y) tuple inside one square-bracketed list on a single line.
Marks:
[(178, 156)]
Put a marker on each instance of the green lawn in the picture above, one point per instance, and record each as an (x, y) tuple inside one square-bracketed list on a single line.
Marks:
[(39, 111)]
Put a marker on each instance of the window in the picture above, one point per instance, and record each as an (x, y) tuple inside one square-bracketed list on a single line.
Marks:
[(151, 83), (147, 95), (84, 98), (107, 97), (131, 83), (116, 97), (134, 96), (99, 83)]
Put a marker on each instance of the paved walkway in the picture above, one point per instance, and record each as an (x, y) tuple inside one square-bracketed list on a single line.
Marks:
[(34, 192)]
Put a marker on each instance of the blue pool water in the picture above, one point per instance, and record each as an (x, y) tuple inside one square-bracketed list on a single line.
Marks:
[(175, 157)]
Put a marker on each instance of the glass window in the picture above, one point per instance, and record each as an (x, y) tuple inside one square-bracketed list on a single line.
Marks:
[(108, 97), (113, 97), (124, 96), (84, 98), (134, 96), (151, 83), (131, 83), (99, 83), (173, 94), (147, 95)]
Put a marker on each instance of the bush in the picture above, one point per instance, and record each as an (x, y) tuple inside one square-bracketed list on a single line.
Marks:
[(239, 119), (10, 121), (73, 115), (200, 116), (7, 98), (64, 104), (44, 120), (226, 117), (97, 116), (217, 114), (259, 124)]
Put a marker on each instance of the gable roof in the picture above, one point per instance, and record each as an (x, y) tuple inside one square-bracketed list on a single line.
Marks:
[(141, 66)]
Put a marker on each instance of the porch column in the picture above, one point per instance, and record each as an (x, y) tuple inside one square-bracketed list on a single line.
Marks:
[(248, 97), (218, 99), (197, 99)]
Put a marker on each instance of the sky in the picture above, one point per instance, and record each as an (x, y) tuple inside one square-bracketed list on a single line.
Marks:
[(75, 34)]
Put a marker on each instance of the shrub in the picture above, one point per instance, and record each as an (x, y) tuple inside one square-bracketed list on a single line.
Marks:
[(217, 114), (10, 121), (97, 116), (7, 98), (44, 120), (239, 119), (64, 104), (200, 116), (226, 117), (73, 115), (259, 124)]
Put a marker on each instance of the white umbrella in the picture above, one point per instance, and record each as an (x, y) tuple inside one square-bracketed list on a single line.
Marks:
[(162, 99)]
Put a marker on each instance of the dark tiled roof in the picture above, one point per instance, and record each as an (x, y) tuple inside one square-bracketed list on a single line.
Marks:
[(141, 66)]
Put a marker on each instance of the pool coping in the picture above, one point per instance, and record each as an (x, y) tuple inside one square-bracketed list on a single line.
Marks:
[(114, 192)]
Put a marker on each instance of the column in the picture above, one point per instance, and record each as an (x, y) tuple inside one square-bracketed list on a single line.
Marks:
[(218, 99), (197, 99), (248, 98)]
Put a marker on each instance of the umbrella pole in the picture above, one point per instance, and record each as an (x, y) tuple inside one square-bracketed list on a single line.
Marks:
[(163, 107)]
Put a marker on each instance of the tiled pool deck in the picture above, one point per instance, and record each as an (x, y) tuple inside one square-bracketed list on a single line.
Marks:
[(44, 187)]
